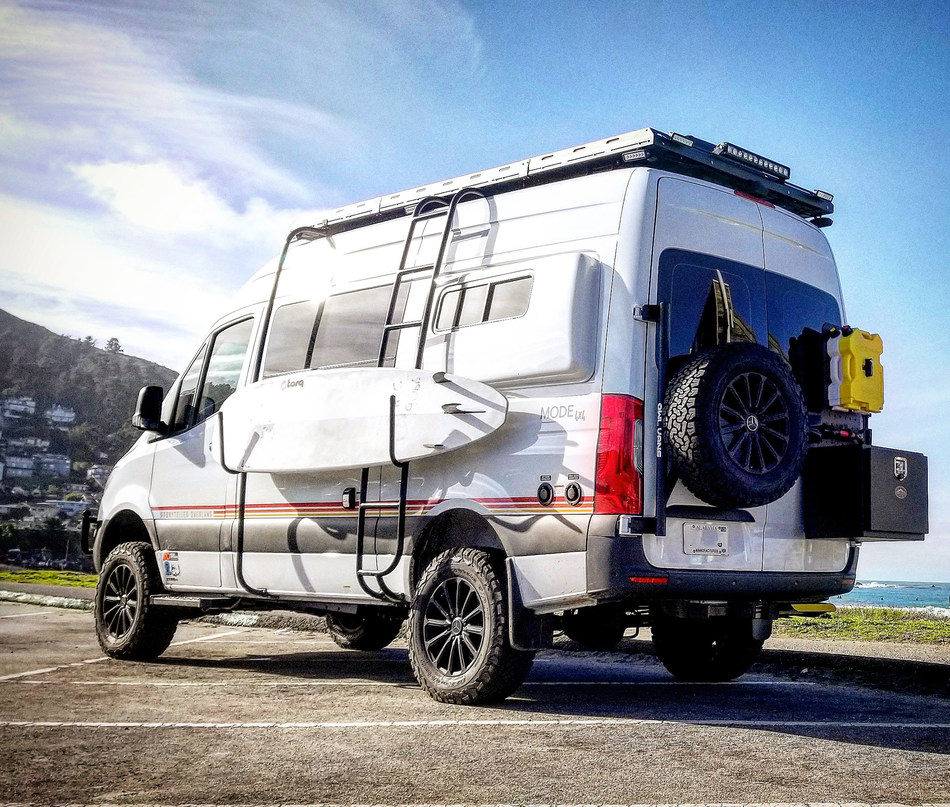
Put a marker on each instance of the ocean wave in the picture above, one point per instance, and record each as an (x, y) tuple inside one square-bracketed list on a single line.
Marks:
[(876, 585), (929, 611), (934, 611)]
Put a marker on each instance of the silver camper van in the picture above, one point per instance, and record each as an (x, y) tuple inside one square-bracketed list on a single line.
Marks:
[(612, 386)]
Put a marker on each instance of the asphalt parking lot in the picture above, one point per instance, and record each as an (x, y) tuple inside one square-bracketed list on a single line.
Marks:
[(233, 715)]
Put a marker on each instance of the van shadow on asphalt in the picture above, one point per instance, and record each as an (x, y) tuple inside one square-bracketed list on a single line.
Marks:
[(577, 685)]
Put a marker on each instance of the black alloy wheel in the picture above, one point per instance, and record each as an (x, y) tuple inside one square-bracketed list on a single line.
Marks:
[(453, 627), (754, 422), (120, 601)]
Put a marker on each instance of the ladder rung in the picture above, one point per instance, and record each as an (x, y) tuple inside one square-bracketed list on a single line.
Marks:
[(379, 505), (412, 270), (398, 326), (431, 214)]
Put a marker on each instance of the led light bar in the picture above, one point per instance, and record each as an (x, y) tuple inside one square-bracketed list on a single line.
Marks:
[(755, 160)]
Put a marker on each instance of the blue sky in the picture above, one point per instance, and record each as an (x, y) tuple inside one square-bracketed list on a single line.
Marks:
[(152, 155)]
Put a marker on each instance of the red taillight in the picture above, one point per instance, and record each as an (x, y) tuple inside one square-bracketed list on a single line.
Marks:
[(619, 487)]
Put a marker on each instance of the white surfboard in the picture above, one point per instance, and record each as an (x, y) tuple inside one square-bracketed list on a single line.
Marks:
[(324, 420)]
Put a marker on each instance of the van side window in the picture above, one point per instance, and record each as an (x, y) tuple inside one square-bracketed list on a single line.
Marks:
[(290, 338), (487, 302), (215, 379), (351, 328)]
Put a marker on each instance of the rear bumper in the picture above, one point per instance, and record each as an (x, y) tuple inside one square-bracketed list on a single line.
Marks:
[(617, 570)]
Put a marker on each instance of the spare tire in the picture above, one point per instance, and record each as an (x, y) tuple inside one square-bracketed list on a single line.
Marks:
[(735, 425)]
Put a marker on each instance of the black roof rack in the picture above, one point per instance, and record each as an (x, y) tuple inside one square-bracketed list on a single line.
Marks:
[(723, 163)]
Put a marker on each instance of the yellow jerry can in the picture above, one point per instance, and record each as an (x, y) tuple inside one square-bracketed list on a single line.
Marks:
[(857, 376)]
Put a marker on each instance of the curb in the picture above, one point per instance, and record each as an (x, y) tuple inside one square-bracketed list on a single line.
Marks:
[(276, 620), (47, 601)]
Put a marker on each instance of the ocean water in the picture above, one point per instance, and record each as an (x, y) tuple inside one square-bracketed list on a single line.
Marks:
[(934, 597)]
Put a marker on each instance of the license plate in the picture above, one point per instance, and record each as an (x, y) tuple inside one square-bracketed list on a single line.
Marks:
[(705, 539)]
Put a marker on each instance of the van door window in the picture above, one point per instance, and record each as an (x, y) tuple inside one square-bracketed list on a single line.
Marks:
[(712, 301), (216, 381), (184, 406), (224, 367)]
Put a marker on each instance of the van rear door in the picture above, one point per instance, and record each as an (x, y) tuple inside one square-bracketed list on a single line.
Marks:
[(708, 273)]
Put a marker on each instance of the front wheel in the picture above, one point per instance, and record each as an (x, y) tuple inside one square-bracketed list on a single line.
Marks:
[(128, 626), (705, 649), (458, 631)]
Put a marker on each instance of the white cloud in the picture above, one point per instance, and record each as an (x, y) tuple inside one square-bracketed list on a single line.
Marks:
[(77, 89), (155, 196)]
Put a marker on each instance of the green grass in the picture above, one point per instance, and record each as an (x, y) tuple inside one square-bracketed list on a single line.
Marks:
[(869, 624), (51, 577)]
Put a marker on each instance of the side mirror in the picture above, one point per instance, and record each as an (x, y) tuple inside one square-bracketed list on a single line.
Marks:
[(148, 410)]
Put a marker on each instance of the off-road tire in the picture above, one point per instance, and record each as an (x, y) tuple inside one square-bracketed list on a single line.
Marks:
[(600, 627), (707, 650), (128, 626), (368, 629), (736, 426), (458, 631)]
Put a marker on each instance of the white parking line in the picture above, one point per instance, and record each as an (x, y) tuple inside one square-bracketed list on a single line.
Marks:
[(17, 616), (210, 638), (607, 722), (44, 670), (333, 682)]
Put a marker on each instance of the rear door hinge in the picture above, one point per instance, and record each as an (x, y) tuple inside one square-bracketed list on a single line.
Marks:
[(647, 313)]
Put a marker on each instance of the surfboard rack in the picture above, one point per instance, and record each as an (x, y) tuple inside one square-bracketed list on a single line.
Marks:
[(428, 209)]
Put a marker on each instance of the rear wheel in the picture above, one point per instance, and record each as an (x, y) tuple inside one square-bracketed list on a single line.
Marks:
[(458, 631), (128, 626), (705, 649), (367, 629)]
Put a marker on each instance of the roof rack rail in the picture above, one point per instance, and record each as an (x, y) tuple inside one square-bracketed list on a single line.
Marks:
[(723, 163)]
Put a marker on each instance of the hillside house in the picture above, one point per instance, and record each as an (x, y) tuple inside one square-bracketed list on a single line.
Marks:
[(27, 445), (99, 474), (61, 417), (18, 466), (18, 407), (56, 464)]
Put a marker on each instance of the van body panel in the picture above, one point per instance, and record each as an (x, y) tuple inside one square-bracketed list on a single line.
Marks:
[(800, 250)]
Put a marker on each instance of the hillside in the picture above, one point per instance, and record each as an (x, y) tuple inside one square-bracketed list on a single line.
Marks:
[(100, 386)]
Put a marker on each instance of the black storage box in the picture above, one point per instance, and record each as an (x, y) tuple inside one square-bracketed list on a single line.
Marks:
[(865, 492)]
